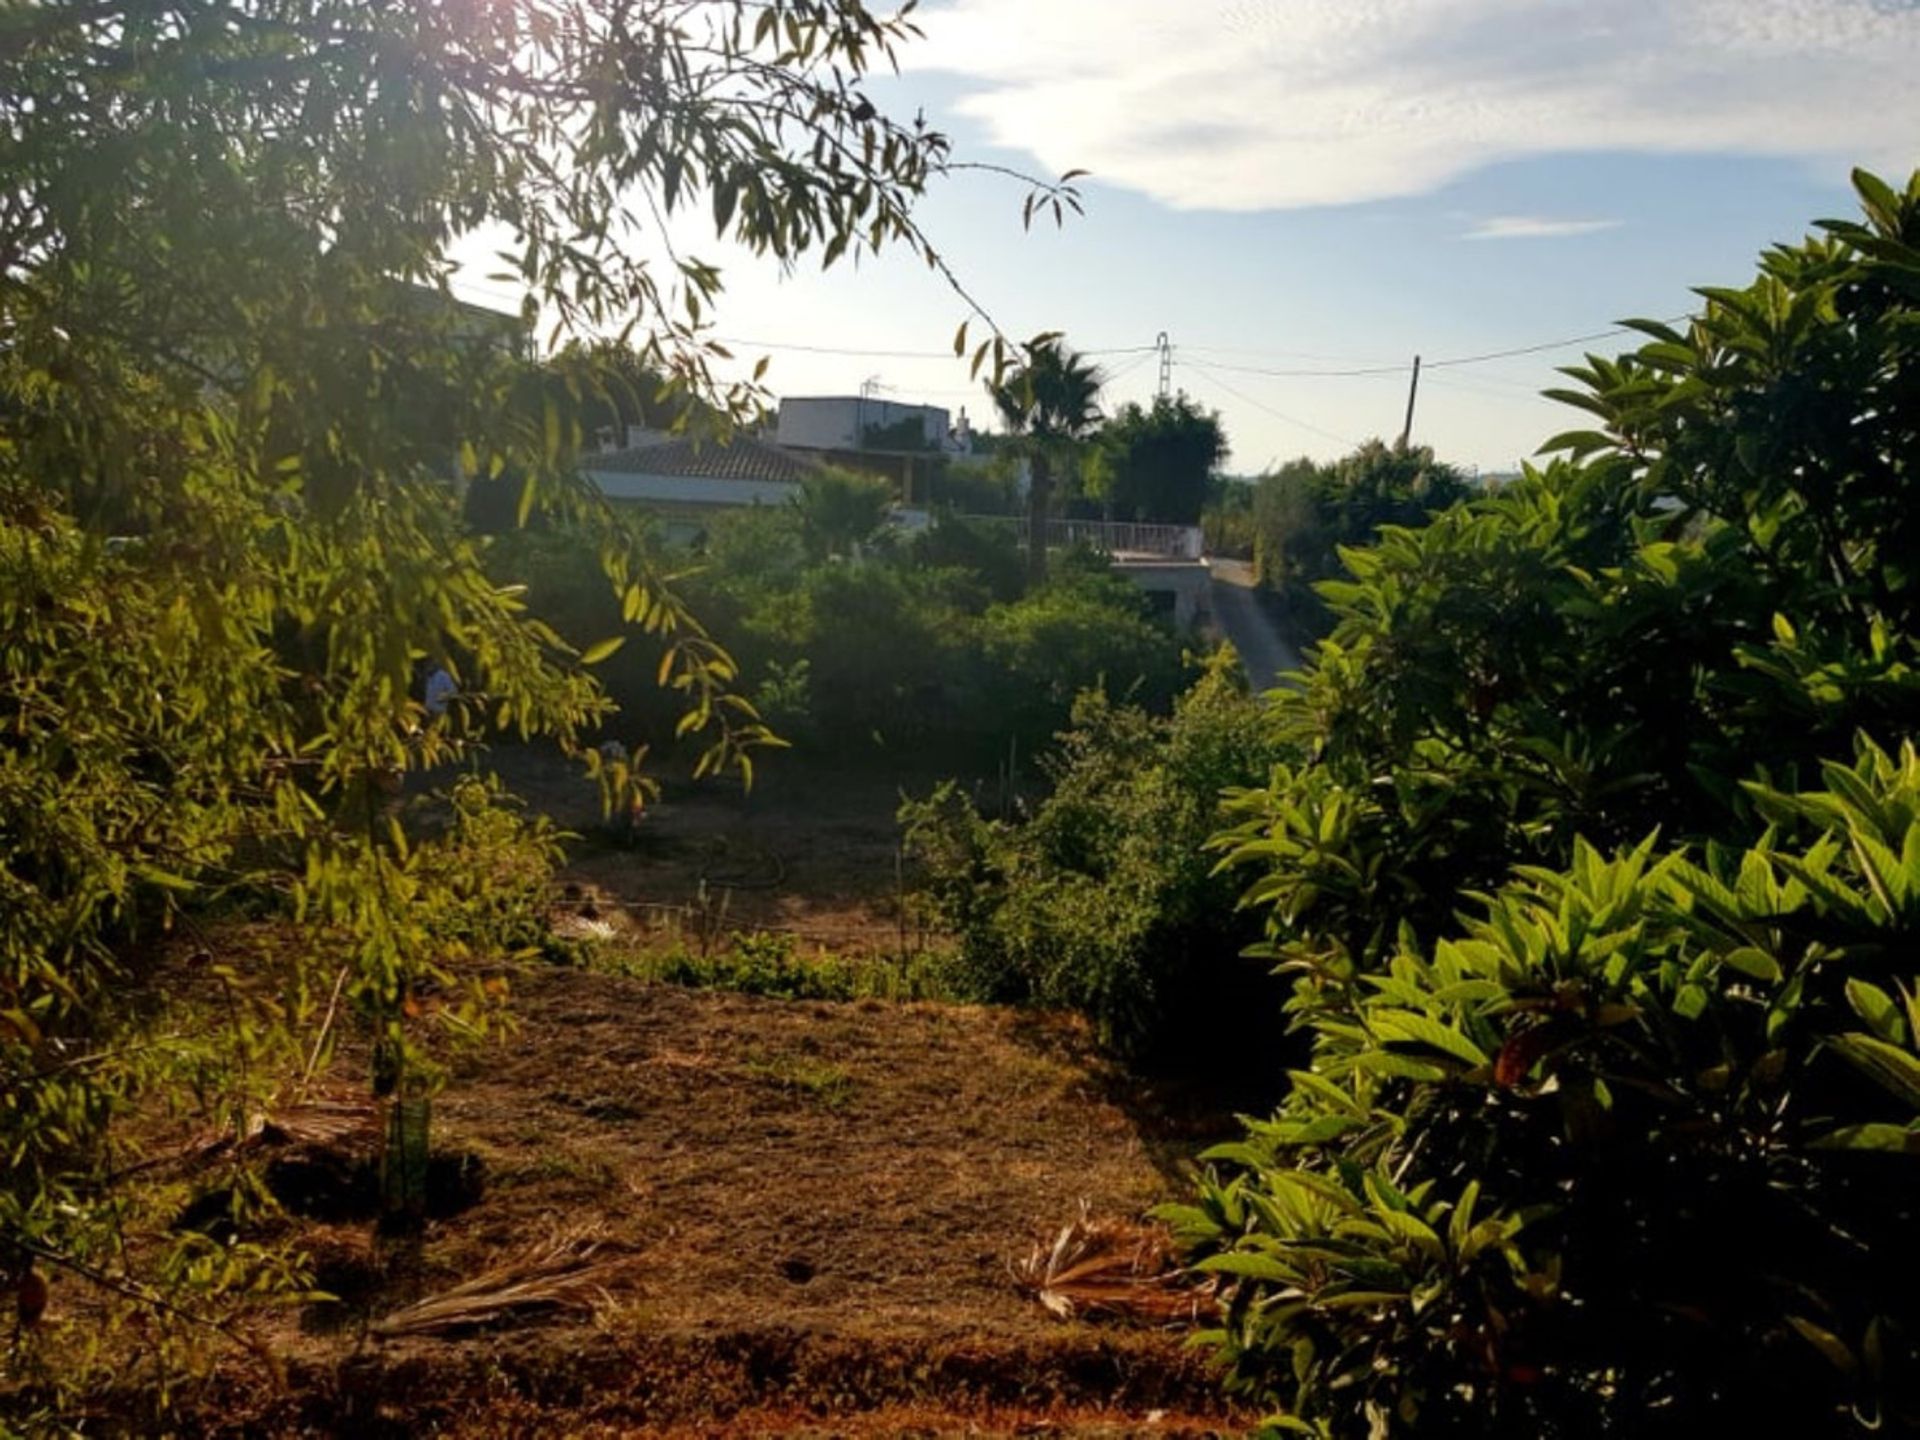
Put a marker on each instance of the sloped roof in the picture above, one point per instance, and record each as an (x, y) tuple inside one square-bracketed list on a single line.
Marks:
[(740, 459)]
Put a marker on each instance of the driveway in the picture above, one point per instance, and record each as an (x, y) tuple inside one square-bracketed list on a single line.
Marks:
[(1264, 651)]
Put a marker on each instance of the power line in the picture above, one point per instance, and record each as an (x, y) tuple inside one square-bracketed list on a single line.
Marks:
[(1286, 354), (1126, 368), (860, 354), (1245, 398), (1447, 364)]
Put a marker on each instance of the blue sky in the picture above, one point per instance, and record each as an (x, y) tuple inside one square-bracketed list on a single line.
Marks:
[(1287, 185)]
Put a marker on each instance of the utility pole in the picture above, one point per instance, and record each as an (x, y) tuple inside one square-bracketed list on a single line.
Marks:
[(1413, 393), (1165, 347)]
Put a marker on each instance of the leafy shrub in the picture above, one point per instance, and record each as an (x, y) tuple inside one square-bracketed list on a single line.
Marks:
[(483, 883), (773, 964), (1104, 902), (990, 552), (1305, 513), (1629, 1155), (1084, 630), (1608, 646)]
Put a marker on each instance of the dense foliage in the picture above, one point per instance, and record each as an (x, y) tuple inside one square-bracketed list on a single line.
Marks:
[(237, 407), (1629, 1154), (1628, 1150), (1305, 513), (919, 647), (1154, 463), (1102, 901)]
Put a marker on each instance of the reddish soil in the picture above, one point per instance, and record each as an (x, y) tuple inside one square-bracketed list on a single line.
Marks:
[(814, 1207)]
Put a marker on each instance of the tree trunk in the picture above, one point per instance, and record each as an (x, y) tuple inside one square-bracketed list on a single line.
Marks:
[(1039, 503)]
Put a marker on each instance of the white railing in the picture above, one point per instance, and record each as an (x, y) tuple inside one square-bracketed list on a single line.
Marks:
[(1112, 537)]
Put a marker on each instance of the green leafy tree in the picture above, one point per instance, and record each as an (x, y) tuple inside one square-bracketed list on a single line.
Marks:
[(1155, 464), (237, 409), (1050, 404), (1305, 513), (841, 510)]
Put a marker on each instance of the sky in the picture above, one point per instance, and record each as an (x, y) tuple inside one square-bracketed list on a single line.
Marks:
[(1295, 190)]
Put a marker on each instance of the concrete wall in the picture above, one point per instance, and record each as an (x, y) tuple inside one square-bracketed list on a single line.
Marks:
[(1188, 583), (690, 489), (841, 422)]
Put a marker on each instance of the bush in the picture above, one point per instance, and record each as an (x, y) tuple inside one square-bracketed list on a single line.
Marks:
[(1085, 630), (1629, 1155), (1306, 513), (992, 552), (1103, 902)]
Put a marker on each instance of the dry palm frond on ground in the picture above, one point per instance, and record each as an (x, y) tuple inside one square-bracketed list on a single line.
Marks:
[(325, 1120), (1119, 1269), (565, 1273)]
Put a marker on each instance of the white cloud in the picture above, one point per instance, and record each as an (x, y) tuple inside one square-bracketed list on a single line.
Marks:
[(1534, 227), (1263, 104)]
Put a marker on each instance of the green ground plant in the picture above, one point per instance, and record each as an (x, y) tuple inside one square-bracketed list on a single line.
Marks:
[(1103, 901), (782, 967)]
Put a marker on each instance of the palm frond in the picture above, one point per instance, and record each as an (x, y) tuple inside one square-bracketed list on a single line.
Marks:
[(1117, 1269), (564, 1274)]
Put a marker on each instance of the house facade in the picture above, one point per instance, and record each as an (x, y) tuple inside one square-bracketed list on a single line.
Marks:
[(853, 423), (685, 483)]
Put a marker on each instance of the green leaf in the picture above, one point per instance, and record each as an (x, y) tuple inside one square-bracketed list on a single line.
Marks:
[(1890, 1139), (1877, 1008), (1754, 963), (1409, 1025), (1891, 1067), (596, 653), (1827, 1343), (1249, 1266)]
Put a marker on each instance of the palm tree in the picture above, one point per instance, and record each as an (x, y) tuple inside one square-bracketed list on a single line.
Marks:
[(1050, 405)]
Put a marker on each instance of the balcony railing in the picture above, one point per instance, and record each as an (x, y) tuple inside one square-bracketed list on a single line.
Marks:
[(1119, 538)]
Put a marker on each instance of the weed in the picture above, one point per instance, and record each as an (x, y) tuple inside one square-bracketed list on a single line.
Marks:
[(545, 1165), (828, 1084), (773, 964)]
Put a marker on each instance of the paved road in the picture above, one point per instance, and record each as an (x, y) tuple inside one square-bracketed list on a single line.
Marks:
[(1263, 650)]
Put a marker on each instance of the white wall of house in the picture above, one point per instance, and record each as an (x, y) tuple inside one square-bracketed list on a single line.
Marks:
[(842, 422), (690, 489)]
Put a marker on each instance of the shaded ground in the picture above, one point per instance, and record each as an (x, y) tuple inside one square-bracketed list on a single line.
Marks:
[(1263, 650), (810, 849), (816, 1206)]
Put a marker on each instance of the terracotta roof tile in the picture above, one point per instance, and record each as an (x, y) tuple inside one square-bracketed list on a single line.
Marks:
[(740, 459)]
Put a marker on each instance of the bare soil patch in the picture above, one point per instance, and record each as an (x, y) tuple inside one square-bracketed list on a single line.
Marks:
[(814, 1207)]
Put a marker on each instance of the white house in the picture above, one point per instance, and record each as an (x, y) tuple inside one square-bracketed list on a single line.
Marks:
[(859, 422), (685, 483)]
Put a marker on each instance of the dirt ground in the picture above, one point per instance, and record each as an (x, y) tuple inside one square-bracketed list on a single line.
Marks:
[(810, 1209), (810, 849)]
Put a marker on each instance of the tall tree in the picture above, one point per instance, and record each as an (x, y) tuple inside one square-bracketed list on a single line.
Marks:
[(1050, 402), (1154, 464), (233, 387)]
